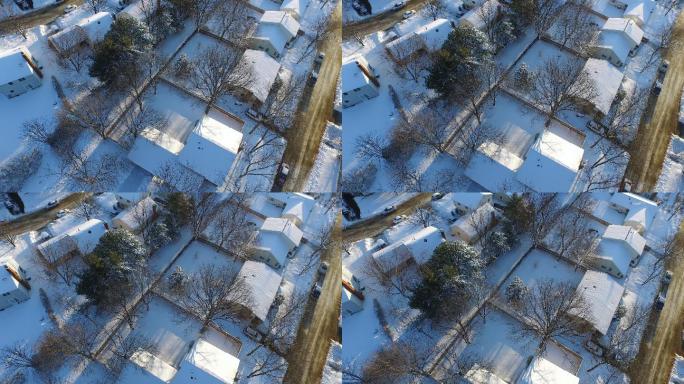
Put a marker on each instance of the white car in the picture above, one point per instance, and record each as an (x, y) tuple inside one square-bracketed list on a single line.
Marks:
[(398, 219), (408, 14), (323, 268), (62, 213), (399, 5), (69, 8)]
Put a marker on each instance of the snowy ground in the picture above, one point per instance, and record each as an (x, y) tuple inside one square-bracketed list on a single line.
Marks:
[(324, 176), (671, 177)]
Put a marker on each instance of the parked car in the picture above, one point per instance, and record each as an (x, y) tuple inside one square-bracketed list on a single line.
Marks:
[(593, 125), (253, 334), (379, 244), (62, 213), (398, 219), (52, 203), (292, 253), (437, 196), (593, 348), (389, 208), (399, 5), (664, 66), (254, 114), (69, 8), (408, 14), (323, 268), (319, 58), (316, 291), (660, 303), (667, 277)]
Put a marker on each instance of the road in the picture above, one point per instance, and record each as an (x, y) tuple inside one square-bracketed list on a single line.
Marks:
[(304, 137), (38, 219), (40, 17), (308, 355), (656, 355), (375, 225), (650, 146), (379, 22)]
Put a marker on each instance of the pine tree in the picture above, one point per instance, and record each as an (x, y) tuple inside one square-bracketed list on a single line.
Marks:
[(497, 244), (523, 77), (516, 291), (504, 33), (159, 235)]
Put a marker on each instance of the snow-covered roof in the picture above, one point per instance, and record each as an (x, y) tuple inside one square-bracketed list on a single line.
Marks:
[(620, 36), (67, 39), (352, 76), (475, 221), (57, 247), (626, 235), (130, 217), (298, 205), (278, 27), (480, 375), (677, 376), (639, 10), (264, 69), (474, 16), (212, 146), (97, 25), (284, 228), (7, 282), (207, 364), (295, 6), (470, 200), (629, 200), (640, 211), (153, 149), (493, 166), (138, 9), (602, 293), (418, 246), (87, 235), (542, 371), (154, 368), (607, 79), (13, 66), (551, 164), (430, 36), (262, 282)]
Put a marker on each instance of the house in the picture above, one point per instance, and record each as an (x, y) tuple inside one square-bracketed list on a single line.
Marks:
[(298, 207), (618, 38), (551, 163), (275, 239), (352, 292), (619, 248), (139, 10), (136, 217), (207, 364), (13, 288), (481, 375), (86, 32), (426, 39), (637, 10), (295, 7), (607, 80), (262, 283), (78, 240), (639, 211), (358, 82), (479, 17), (473, 225), (468, 202), (416, 248), (154, 149), (148, 366), (602, 294), (275, 30), (542, 371), (493, 166), (212, 146), (19, 72), (264, 71)]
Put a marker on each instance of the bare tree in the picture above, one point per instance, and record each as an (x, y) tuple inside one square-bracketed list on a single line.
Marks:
[(202, 11), (122, 348), (95, 174), (216, 72), (371, 147), (428, 128), (56, 264), (559, 84), (280, 106), (215, 294), (423, 216), (321, 29), (434, 9), (662, 41), (394, 279), (545, 12), (326, 239), (96, 5), (230, 229), (552, 310), (408, 58), (87, 209), (574, 238), (8, 236), (140, 119), (472, 136), (231, 16), (546, 211), (403, 362), (573, 27), (260, 157), (669, 251), (36, 131), (269, 364), (15, 24), (93, 112), (281, 328), (72, 54), (132, 76), (623, 120)]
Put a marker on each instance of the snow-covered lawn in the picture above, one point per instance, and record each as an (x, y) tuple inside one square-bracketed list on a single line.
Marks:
[(671, 177)]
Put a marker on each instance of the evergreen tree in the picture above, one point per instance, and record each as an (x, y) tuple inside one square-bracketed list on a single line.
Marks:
[(497, 244), (503, 34), (125, 42), (159, 235), (516, 291), (180, 207), (523, 78), (519, 213)]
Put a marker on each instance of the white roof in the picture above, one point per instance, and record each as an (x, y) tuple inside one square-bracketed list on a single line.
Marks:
[(630, 200), (212, 147), (627, 235), (474, 16), (602, 293), (418, 246), (352, 76), (296, 6), (7, 282), (262, 282), (207, 364), (542, 371), (265, 70), (87, 235), (627, 27), (97, 25), (430, 36), (283, 227), (278, 27), (57, 247), (13, 66), (129, 217), (153, 149), (469, 200), (493, 166), (155, 369), (136, 9), (620, 35), (551, 164), (479, 375), (639, 10), (68, 38), (299, 205), (607, 79), (470, 222)]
